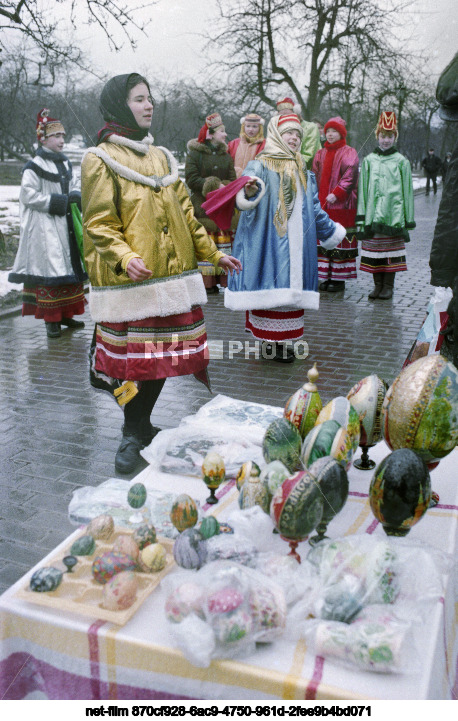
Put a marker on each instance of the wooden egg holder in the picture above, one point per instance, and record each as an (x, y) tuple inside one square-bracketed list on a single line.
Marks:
[(80, 593)]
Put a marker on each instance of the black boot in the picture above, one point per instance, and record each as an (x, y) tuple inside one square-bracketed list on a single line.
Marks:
[(72, 323), (378, 286), (324, 285), (335, 286), (128, 454), (388, 285), (52, 330), (283, 353)]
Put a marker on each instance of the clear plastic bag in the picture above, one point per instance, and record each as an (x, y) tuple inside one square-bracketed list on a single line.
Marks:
[(223, 612)]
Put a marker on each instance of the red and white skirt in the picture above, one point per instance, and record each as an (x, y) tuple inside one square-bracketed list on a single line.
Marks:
[(158, 347), (53, 303), (340, 263), (212, 276), (275, 326), (383, 254)]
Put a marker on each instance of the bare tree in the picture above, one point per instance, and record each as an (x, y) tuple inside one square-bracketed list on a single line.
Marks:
[(299, 45)]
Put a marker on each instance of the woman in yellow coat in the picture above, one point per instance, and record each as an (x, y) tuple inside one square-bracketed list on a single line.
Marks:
[(142, 243)]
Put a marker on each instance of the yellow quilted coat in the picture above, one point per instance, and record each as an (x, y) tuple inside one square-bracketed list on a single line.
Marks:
[(125, 215)]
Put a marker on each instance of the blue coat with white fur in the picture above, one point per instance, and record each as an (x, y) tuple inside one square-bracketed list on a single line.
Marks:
[(278, 272)]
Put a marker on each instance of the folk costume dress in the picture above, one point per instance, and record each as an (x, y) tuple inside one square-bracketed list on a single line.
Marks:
[(244, 149), (207, 165), (336, 170), (48, 260), (276, 242), (385, 211)]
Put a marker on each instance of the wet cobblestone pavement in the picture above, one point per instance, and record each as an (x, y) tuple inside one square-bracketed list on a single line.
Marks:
[(57, 434)]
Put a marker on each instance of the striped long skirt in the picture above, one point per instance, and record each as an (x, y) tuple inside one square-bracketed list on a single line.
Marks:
[(212, 276), (158, 347), (340, 263), (383, 254), (275, 326), (53, 303)]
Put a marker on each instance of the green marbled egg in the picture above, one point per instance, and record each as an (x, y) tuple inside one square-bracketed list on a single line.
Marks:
[(209, 527), (136, 496), (46, 579), (83, 546)]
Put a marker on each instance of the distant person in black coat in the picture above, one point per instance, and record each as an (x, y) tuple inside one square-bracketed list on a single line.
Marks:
[(444, 251), (432, 165), (445, 166)]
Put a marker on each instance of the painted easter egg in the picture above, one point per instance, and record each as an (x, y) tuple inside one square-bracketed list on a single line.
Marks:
[(367, 398), (153, 558), (250, 468), (144, 535), (297, 506), (110, 563), (187, 598), (420, 410), (224, 600), (136, 496), (332, 479), (268, 612), (120, 591), (341, 410), (400, 491), (46, 579), (303, 407), (232, 627), (282, 442), (101, 527), (213, 470), (126, 544), (184, 512), (328, 439), (273, 475), (254, 493), (209, 527), (189, 549), (83, 546)]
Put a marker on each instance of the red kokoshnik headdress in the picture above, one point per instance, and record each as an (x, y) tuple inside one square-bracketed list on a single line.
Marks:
[(388, 123)]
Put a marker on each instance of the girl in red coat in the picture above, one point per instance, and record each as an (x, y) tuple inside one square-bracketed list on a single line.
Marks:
[(336, 170)]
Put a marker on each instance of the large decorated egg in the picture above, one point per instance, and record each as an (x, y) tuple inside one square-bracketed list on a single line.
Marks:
[(297, 506), (209, 527), (213, 470), (230, 628), (420, 410), (110, 563), (153, 558), (328, 439), (273, 475), (400, 491), (144, 535), (250, 468), (341, 410), (101, 527), (46, 579), (224, 600), (332, 479), (190, 549), (83, 546), (187, 598), (268, 612), (303, 407), (184, 512), (254, 493), (367, 398), (136, 496), (126, 544), (282, 442), (120, 591)]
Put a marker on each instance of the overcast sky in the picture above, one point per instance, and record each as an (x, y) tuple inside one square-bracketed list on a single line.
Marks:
[(173, 46)]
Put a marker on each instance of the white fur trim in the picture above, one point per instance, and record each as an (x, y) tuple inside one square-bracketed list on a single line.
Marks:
[(117, 304), (296, 240), (243, 203), (336, 238), (260, 122), (141, 146), (271, 299), (153, 181)]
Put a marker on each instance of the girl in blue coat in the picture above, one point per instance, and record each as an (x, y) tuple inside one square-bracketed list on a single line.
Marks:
[(276, 240)]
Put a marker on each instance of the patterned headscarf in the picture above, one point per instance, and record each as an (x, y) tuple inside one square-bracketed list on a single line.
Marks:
[(277, 156)]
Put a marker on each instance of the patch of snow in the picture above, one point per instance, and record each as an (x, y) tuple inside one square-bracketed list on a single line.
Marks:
[(5, 285), (9, 208)]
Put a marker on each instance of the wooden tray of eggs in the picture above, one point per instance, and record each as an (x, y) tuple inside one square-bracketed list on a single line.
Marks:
[(105, 573)]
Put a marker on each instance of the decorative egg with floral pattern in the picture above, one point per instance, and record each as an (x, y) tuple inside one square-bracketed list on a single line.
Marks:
[(303, 407), (184, 512), (367, 398), (328, 439), (213, 470)]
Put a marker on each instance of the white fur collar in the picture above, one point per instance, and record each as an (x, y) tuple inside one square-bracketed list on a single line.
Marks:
[(142, 146)]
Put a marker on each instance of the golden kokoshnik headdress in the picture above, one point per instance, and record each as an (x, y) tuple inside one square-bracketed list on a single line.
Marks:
[(277, 156)]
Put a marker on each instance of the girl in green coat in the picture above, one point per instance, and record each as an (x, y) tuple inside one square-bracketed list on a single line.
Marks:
[(385, 211)]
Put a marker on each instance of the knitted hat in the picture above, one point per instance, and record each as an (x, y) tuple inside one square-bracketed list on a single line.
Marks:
[(212, 122), (289, 122), (252, 118), (388, 123), (285, 104), (338, 124), (447, 91), (47, 126)]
